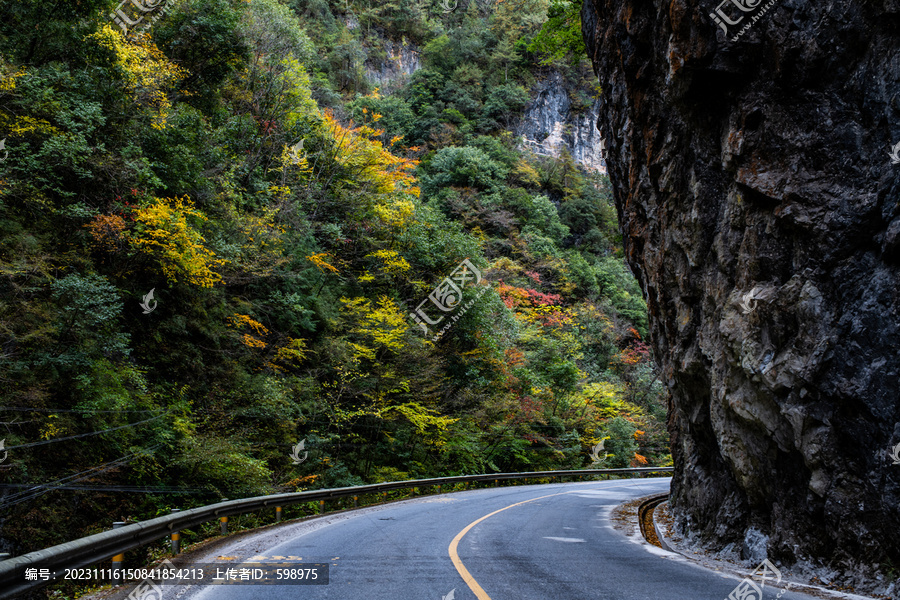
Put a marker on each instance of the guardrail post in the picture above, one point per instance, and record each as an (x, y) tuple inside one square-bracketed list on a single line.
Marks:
[(439, 488), (118, 559), (278, 514), (321, 506), (496, 482), (355, 499), (176, 535), (223, 521), (384, 497)]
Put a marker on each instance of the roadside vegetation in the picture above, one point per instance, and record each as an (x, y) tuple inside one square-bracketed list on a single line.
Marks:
[(289, 216)]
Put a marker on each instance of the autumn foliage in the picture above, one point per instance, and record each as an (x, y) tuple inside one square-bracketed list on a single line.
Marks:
[(167, 231), (220, 222)]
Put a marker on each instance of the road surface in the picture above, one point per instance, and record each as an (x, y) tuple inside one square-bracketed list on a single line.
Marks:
[(510, 543)]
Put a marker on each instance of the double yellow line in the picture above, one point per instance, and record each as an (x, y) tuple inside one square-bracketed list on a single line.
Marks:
[(454, 555)]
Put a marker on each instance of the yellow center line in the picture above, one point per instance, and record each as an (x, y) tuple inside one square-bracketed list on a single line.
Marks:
[(454, 556)]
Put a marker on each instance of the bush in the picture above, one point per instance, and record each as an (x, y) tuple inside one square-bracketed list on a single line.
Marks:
[(461, 167), (503, 105), (223, 465), (88, 326)]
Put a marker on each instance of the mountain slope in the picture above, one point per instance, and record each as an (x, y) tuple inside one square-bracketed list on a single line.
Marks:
[(294, 225)]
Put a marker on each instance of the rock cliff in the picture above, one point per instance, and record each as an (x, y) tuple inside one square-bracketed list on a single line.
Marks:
[(761, 212), (401, 59), (551, 124)]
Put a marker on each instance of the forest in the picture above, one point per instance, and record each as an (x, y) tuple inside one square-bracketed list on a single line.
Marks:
[(219, 237)]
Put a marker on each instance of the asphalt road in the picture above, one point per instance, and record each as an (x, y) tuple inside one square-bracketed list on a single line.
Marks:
[(509, 543)]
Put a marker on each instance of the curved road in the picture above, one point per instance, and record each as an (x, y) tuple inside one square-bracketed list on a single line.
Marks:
[(521, 543)]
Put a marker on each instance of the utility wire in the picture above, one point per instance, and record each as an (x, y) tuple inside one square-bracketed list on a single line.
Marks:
[(81, 475), (81, 435), (27, 495), (111, 488), (71, 410)]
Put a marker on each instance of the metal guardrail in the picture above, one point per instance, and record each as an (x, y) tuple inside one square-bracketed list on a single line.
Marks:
[(88, 551)]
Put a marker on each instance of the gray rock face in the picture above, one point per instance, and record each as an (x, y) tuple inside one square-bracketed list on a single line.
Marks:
[(761, 213), (402, 61), (550, 125)]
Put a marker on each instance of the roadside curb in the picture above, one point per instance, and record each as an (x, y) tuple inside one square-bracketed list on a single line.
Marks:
[(662, 539)]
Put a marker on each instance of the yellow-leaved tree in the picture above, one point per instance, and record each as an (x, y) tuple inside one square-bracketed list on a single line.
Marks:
[(379, 327), (12, 124), (147, 73), (163, 230), (395, 214), (429, 424), (390, 262), (364, 163)]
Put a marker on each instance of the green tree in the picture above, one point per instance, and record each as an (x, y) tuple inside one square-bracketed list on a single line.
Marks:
[(560, 39), (463, 167), (620, 444), (204, 38)]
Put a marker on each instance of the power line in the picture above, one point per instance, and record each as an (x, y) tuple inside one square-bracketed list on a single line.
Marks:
[(25, 496), (81, 435), (111, 488), (71, 410), (81, 475)]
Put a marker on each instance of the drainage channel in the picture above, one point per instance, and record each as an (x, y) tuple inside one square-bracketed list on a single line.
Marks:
[(645, 518)]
